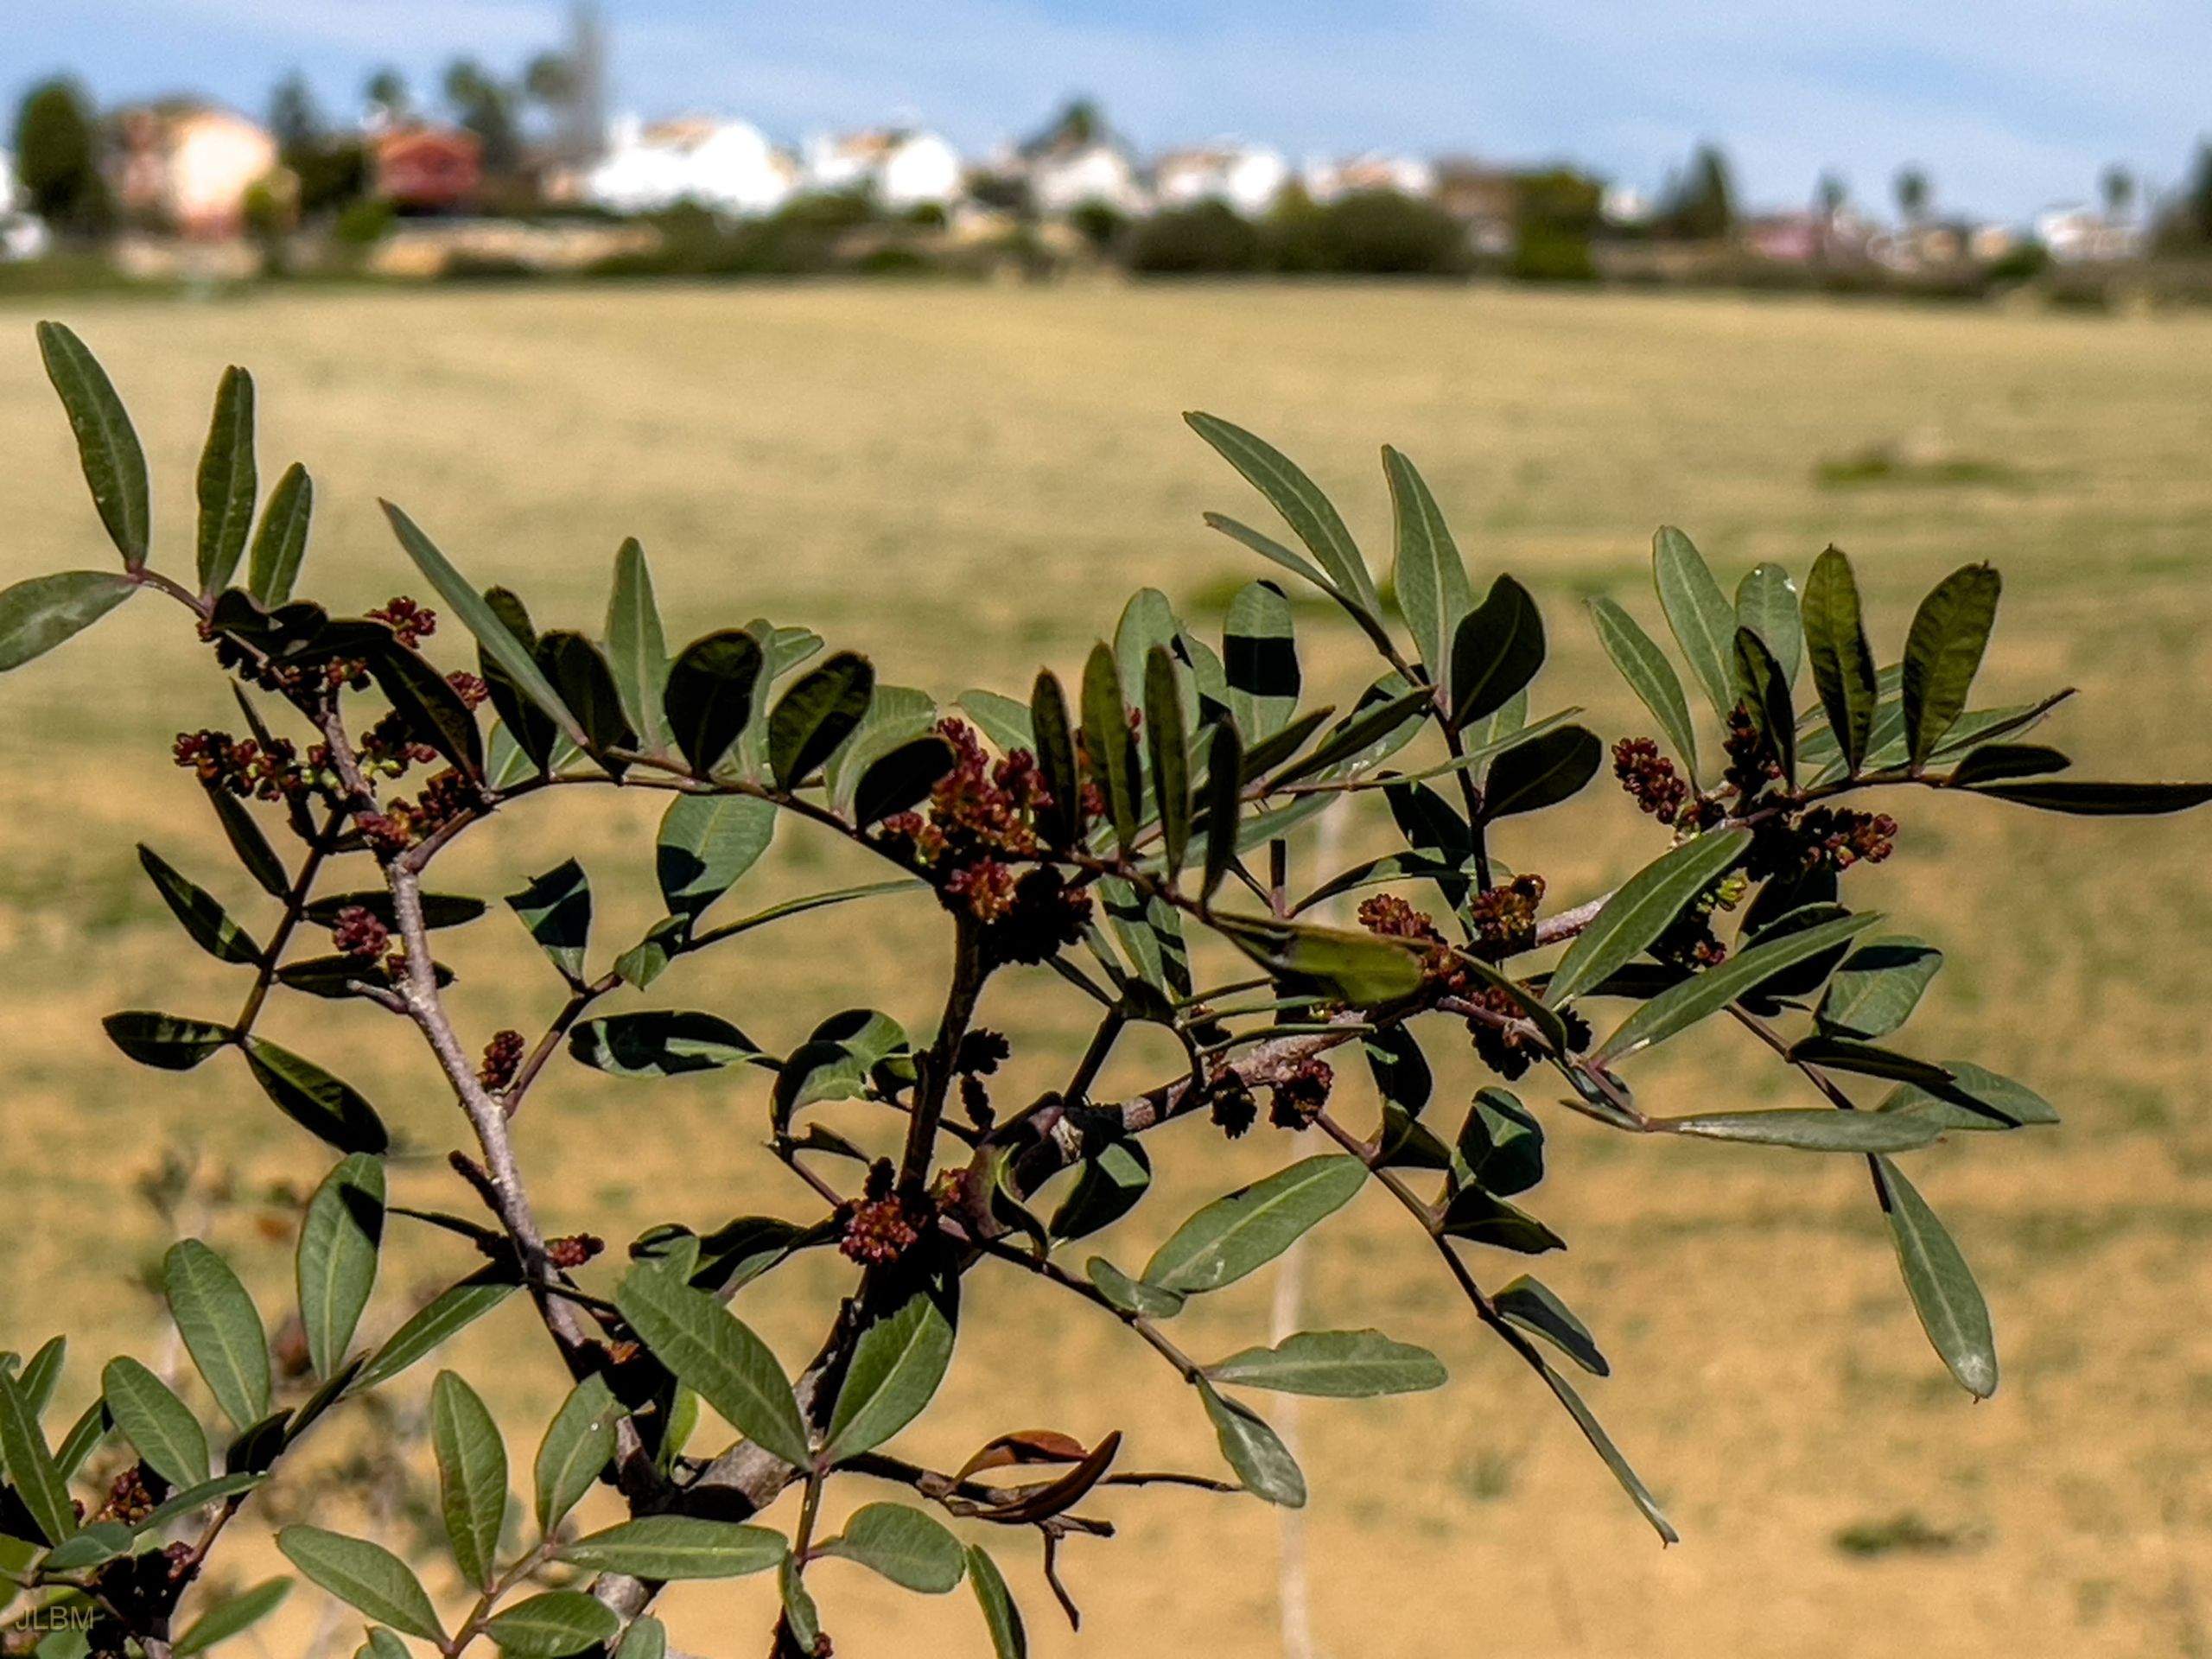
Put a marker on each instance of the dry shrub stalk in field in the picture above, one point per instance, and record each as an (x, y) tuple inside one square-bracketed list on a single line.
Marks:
[(1094, 837)]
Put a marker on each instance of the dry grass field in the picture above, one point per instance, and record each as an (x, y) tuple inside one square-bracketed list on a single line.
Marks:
[(965, 483)]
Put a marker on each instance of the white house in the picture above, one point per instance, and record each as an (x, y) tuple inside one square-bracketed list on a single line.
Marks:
[(728, 166), (1243, 176), (10, 196), (1408, 175), (901, 168), (2075, 234), (1068, 176), (22, 236)]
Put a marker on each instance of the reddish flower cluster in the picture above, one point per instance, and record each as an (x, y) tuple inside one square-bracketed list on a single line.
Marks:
[(1826, 838), (469, 688), (135, 1494), (248, 770), (878, 1231), (574, 1250), (358, 932), (502, 1058), (1505, 916), (410, 621), (388, 834), (446, 796), (1751, 761), (979, 829), (1650, 777), (1299, 1096)]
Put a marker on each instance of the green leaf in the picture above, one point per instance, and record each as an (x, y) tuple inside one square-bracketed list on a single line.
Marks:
[(166, 1040), (1766, 604), (1001, 1616), (1429, 575), (40, 1373), (471, 1477), (1972, 1098), (1844, 1054), (318, 1102), (382, 1644), (1699, 614), (1259, 660), (1642, 910), (196, 1498), (706, 843), (429, 707), (101, 1542), (2103, 800), (1131, 1295), (280, 544), (229, 485), (897, 1365), (557, 909), (1675, 1010), (1763, 691), (107, 446), (1843, 666), (1602, 1443), (443, 1317), (30, 1466), (207, 921), (1341, 1365), (337, 1262), (1942, 653), (85, 1436), (578, 1445), (246, 840), (38, 614), (815, 715), (1483, 1217), (904, 1545), (1544, 771), (1299, 500), (678, 1546), (645, 1639), (483, 620), (1649, 675), (835, 1061), (1995, 762), (1223, 803), (1060, 821), (232, 1616), (1111, 747), (1253, 1225), (1108, 1183), (1001, 718), (712, 1350), (1259, 1458), (1530, 1304), (1808, 1128), (1170, 748), (1878, 987), (220, 1328), (709, 694), (1363, 969), (1941, 1284), (439, 909), (580, 673), (1496, 652), (160, 1426), (901, 779), (557, 1622), (1502, 1143), (659, 1042), (363, 1575), (1147, 621), (636, 650)]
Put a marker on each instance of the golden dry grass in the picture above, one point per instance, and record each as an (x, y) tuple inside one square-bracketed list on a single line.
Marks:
[(966, 482)]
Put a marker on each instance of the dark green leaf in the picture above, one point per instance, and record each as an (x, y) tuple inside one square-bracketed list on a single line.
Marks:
[(1363, 969), (1262, 1461), (228, 484), (1430, 576), (578, 1445), (1698, 612), (207, 921), (1866, 1060), (1843, 666), (1528, 1303), (835, 1061), (166, 1040), (1943, 1292), (904, 1545), (381, 1644), (1482, 1219), (38, 614), (1131, 1295), (101, 1542), (813, 717), (1108, 1183), (1001, 1616), (439, 909), (1502, 1143), (897, 1365), (1223, 803), (1942, 653), (443, 1317), (1676, 1010), (1496, 652), (554, 1624), (586, 684), (1645, 667), (1061, 819), (1382, 723), (1641, 909), (1602, 1443), (1259, 661), (1808, 1128), (1170, 748), (1542, 772), (1878, 987), (280, 545), (363, 1575), (1253, 1225), (249, 843), (1994, 762), (221, 1330), (337, 1262), (30, 1466), (1763, 690), (2103, 800), (107, 446), (1109, 744), (529, 726), (659, 1042), (678, 1546), (644, 1639), (706, 842), (471, 1477), (1299, 500), (557, 909), (232, 1616), (1973, 1098), (900, 780), (322, 1104), (711, 1351), (155, 1421), (429, 708), (1766, 603), (1341, 1365)]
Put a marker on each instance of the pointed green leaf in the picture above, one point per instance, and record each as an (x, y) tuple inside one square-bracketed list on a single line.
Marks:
[(706, 842), (813, 717), (555, 1623), (1528, 1303), (1301, 502), (660, 1043), (166, 1040), (904, 1545), (160, 1426), (578, 1445), (1496, 652), (323, 1105), (713, 1351), (229, 486), (207, 921), (1649, 675), (1223, 803), (1170, 748), (1702, 619), (1763, 690), (1340, 1364), (644, 1639), (471, 1477), (1253, 1225), (580, 674), (30, 1466), (557, 909), (1808, 1128), (1676, 1009), (1766, 603), (280, 545), (1878, 987), (1944, 651), (635, 648), (1110, 745), (337, 1262), (1259, 660), (678, 1546), (1001, 1616), (107, 446), (1974, 1098), (221, 1329), (1131, 1295), (429, 708), (1501, 1143), (101, 1542), (1542, 772), (38, 614), (1430, 576), (1943, 1292), (896, 1367), (363, 1575), (1483, 1217), (1843, 665), (2103, 800), (1108, 1184), (196, 1498), (1602, 1443), (1362, 969), (430, 1327), (1257, 1454), (1060, 820), (247, 840), (1641, 909)]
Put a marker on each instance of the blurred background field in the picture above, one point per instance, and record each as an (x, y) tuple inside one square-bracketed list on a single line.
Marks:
[(966, 483)]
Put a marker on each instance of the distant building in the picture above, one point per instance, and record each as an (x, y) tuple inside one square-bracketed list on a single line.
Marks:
[(10, 193), (1098, 172), (727, 166), (1244, 177), (22, 236), (427, 169), (901, 168), (2076, 235), (1486, 199), (1406, 176), (1793, 238), (187, 166)]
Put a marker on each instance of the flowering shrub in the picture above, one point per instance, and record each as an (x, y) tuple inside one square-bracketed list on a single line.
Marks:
[(1098, 836)]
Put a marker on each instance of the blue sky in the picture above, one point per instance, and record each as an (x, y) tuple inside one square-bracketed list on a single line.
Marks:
[(2010, 105)]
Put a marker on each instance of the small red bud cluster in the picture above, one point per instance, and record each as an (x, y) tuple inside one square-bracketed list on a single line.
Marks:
[(1230, 1104), (886, 1223), (249, 769), (573, 1250), (135, 1494), (1752, 764), (502, 1059), (1650, 777), (410, 621), (469, 688), (1299, 1098), (1504, 916), (357, 932)]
